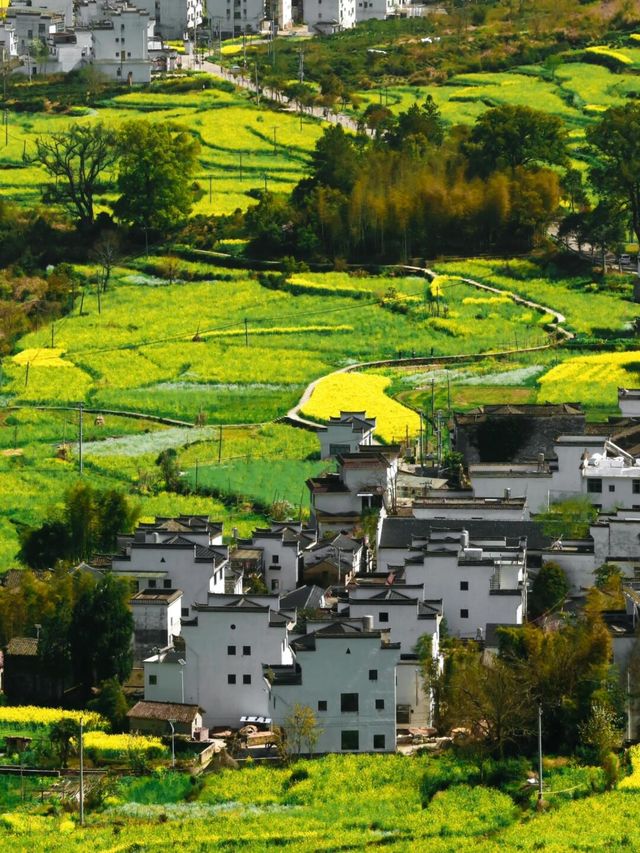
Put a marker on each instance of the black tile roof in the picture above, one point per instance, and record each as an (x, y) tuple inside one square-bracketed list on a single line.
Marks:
[(399, 532)]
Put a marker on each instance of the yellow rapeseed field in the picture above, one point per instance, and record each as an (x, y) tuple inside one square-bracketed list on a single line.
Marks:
[(591, 379), (32, 715), (114, 746), (362, 391)]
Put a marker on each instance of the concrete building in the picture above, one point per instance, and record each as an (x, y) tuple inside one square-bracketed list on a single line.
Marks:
[(174, 19), (235, 17), (119, 47), (335, 559), (346, 434), (156, 558), (156, 620), (226, 644), (629, 402), (366, 10), (589, 465), (365, 481), (346, 674), (276, 552), (330, 16), (29, 25)]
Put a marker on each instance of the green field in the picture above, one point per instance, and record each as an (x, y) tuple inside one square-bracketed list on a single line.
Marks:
[(344, 802), (237, 139)]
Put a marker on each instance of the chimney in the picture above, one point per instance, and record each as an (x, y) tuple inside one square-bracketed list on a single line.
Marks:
[(541, 461), (367, 623), (507, 494), (464, 539)]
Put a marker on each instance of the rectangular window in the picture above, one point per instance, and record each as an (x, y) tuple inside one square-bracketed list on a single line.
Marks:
[(166, 583), (275, 559), (373, 675), (379, 704), (349, 740), (275, 585), (152, 583), (464, 586), (612, 488), (231, 679), (464, 613), (231, 650), (184, 611), (378, 741), (384, 617), (594, 485), (246, 650), (322, 704), (349, 702), (153, 679), (636, 487), (246, 679)]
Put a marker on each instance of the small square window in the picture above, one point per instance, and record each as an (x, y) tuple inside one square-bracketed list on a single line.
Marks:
[(594, 485), (322, 704), (384, 616), (373, 675), (231, 650), (275, 558), (231, 679), (378, 741), (153, 679), (166, 583), (275, 585), (612, 488), (464, 586), (184, 611), (152, 584), (349, 740), (246, 679), (246, 650), (464, 613), (379, 704)]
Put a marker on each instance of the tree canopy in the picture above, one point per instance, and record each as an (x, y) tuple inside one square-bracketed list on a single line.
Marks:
[(156, 168)]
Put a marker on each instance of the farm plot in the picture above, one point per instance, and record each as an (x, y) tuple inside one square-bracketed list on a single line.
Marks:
[(243, 145)]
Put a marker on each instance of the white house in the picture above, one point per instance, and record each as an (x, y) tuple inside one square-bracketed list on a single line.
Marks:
[(248, 16), (365, 481), (330, 16), (335, 558), (281, 546), (226, 644), (381, 9), (8, 41), (29, 25), (156, 620), (345, 434), (62, 8), (589, 465), (174, 19), (152, 559), (629, 402), (346, 674), (120, 38), (459, 507)]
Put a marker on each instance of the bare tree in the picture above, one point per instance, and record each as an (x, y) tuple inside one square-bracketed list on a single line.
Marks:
[(106, 252), (299, 733), (77, 159)]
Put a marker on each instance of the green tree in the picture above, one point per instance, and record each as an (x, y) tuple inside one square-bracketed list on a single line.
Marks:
[(100, 633), (509, 136), (548, 591), (615, 144), (167, 461), (111, 703), (157, 164), (419, 123), (334, 160), (42, 547), (77, 158), (62, 736)]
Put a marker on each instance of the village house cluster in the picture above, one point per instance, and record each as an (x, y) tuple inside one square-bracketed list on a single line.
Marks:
[(344, 614), (126, 41)]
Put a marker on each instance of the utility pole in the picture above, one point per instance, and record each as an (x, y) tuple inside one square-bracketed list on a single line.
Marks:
[(246, 332), (210, 189), (80, 428), (275, 130), (173, 742), (53, 326), (301, 65), (220, 445), (196, 475), (539, 755), (6, 126), (81, 772)]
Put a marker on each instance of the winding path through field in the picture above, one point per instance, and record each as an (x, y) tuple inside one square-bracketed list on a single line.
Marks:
[(294, 417)]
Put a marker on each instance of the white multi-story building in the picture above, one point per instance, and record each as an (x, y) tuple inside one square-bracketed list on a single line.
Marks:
[(346, 673), (629, 402), (589, 465), (190, 559), (281, 546), (330, 16), (345, 434), (30, 25), (226, 644), (119, 46), (381, 9), (235, 17), (174, 19)]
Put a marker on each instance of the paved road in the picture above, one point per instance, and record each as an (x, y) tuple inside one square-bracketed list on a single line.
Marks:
[(244, 80)]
